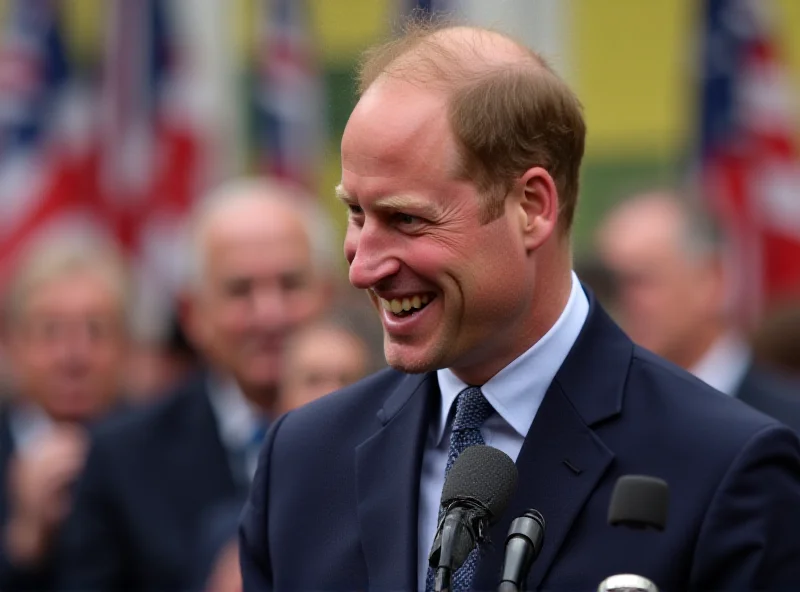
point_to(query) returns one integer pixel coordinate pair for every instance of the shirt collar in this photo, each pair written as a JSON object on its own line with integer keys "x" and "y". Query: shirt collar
{"x": 237, "y": 419}
{"x": 27, "y": 423}
{"x": 517, "y": 390}
{"x": 724, "y": 364}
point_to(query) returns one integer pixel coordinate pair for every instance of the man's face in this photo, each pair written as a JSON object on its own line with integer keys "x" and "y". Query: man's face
{"x": 258, "y": 286}
{"x": 450, "y": 290}
{"x": 665, "y": 297}
{"x": 68, "y": 346}
{"x": 319, "y": 362}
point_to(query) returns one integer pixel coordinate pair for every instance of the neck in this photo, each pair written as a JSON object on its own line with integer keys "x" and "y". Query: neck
{"x": 689, "y": 354}
{"x": 263, "y": 398}
{"x": 550, "y": 296}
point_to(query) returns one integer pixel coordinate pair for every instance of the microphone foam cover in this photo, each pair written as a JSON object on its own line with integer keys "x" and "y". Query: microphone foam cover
{"x": 639, "y": 501}
{"x": 485, "y": 474}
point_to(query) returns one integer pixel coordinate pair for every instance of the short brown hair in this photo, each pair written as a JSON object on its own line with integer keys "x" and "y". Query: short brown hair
{"x": 506, "y": 115}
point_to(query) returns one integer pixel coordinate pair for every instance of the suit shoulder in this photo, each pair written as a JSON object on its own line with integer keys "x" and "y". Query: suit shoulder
{"x": 369, "y": 392}
{"x": 133, "y": 425}
{"x": 690, "y": 401}
{"x": 347, "y": 408}
{"x": 775, "y": 394}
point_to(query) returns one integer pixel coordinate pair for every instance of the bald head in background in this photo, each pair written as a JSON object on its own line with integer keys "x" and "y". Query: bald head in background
{"x": 258, "y": 276}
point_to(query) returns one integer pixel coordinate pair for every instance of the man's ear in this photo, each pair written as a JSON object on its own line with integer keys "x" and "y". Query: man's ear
{"x": 538, "y": 206}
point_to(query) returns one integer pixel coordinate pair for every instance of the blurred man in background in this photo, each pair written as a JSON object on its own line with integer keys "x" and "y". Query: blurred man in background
{"x": 66, "y": 338}
{"x": 155, "y": 481}
{"x": 321, "y": 359}
{"x": 674, "y": 293}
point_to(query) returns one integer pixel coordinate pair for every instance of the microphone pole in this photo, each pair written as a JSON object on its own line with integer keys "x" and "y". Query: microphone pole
{"x": 523, "y": 544}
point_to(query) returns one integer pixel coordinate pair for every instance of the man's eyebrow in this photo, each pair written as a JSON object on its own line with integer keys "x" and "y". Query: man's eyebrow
{"x": 341, "y": 194}
{"x": 395, "y": 203}
{"x": 410, "y": 203}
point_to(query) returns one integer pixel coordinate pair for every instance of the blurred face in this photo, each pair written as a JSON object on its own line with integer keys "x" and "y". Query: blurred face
{"x": 68, "y": 346}
{"x": 666, "y": 298}
{"x": 320, "y": 362}
{"x": 258, "y": 287}
{"x": 450, "y": 291}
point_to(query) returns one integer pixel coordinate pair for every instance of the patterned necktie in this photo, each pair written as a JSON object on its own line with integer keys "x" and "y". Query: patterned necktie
{"x": 472, "y": 409}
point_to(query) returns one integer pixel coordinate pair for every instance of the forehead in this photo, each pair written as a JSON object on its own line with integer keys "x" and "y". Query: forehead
{"x": 399, "y": 128}
{"x": 249, "y": 240}
{"x": 70, "y": 291}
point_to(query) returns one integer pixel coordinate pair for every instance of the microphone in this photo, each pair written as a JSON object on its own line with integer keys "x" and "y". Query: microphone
{"x": 475, "y": 494}
{"x": 523, "y": 544}
{"x": 640, "y": 502}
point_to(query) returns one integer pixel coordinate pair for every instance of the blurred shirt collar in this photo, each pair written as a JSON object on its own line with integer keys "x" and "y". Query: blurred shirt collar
{"x": 237, "y": 419}
{"x": 725, "y": 363}
{"x": 27, "y": 423}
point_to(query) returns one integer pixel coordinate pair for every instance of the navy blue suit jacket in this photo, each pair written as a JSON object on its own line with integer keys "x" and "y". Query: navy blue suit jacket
{"x": 335, "y": 501}
{"x": 151, "y": 480}
{"x": 776, "y": 395}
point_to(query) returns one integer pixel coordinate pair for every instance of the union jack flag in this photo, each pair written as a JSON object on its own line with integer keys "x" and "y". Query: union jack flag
{"x": 749, "y": 157}
{"x": 150, "y": 157}
{"x": 289, "y": 106}
{"x": 44, "y": 132}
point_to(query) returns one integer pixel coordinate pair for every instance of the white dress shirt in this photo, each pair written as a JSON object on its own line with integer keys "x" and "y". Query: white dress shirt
{"x": 515, "y": 393}
{"x": 725, "y": 363}
{"x": 237, "y": 419}
{"x": 28, "y": 423}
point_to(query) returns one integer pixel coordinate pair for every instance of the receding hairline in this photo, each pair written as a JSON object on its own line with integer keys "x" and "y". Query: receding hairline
{"x": 692, "y": 230}
{"x": 66, "y": 258}
{"x": 271, "y": 194}
{"x": 446, "y": 54}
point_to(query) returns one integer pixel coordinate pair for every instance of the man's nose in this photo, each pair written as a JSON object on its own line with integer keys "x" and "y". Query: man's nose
{"x": 370, "y": 255}
{"x": 270, "y": 307}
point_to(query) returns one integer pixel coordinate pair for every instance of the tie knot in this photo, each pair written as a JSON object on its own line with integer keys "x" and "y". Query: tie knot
{"x": 472, "y": 409}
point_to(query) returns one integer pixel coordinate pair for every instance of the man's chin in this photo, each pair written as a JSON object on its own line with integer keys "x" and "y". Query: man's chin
{"x": 410, "y": 362}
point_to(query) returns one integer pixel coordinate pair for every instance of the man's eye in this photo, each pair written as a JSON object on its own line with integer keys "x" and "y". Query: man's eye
{"x": 407, "y": 219}
{"x": 355, "y": 210}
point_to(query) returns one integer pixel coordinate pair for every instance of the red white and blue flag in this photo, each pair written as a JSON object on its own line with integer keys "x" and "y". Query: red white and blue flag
{"x": 45, "y": 131}
{"x": 750, "y": 162}
{"x": 290, "y": 116}
{"x": 150, "y": 158}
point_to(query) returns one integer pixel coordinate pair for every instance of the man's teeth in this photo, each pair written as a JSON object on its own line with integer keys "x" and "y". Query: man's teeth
{"x": 398, "y": 305}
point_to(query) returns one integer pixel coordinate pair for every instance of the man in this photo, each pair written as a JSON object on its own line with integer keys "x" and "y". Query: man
{"x": 674, "y": 296}
{"x": 66, "y": 338}
{"x": 460, "y": 168}
{"x": 156, "y": 480}
{"x": 320, "y": 359}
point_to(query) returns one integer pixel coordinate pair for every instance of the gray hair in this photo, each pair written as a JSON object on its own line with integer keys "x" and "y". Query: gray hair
{"x": 315, "y": 219}
{"x": 59, "y": 256}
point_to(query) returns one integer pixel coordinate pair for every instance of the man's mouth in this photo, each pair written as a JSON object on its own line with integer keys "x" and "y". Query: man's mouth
{"x": 406, "y": 306}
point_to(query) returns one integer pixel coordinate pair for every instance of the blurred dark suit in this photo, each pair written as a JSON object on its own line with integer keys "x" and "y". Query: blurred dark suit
{"x": 151, "y": 480}
{"x": 773, "y": 394}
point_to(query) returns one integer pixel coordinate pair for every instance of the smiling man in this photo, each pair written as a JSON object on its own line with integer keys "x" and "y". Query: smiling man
{"x": 460, "y": 167}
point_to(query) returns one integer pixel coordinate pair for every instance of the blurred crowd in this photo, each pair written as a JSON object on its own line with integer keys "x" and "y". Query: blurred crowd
{"x": 126, "y": 461}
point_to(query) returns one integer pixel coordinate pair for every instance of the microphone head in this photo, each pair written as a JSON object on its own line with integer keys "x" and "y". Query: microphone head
{"x": 485, "y": 474}
{"x": 627, "y": 583}
{"x": 639, "y": 501}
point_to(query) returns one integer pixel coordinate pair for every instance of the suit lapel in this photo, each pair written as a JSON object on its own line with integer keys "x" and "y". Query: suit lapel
{"x": 388, "y": 467}
{"x": 562, "y": 459}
